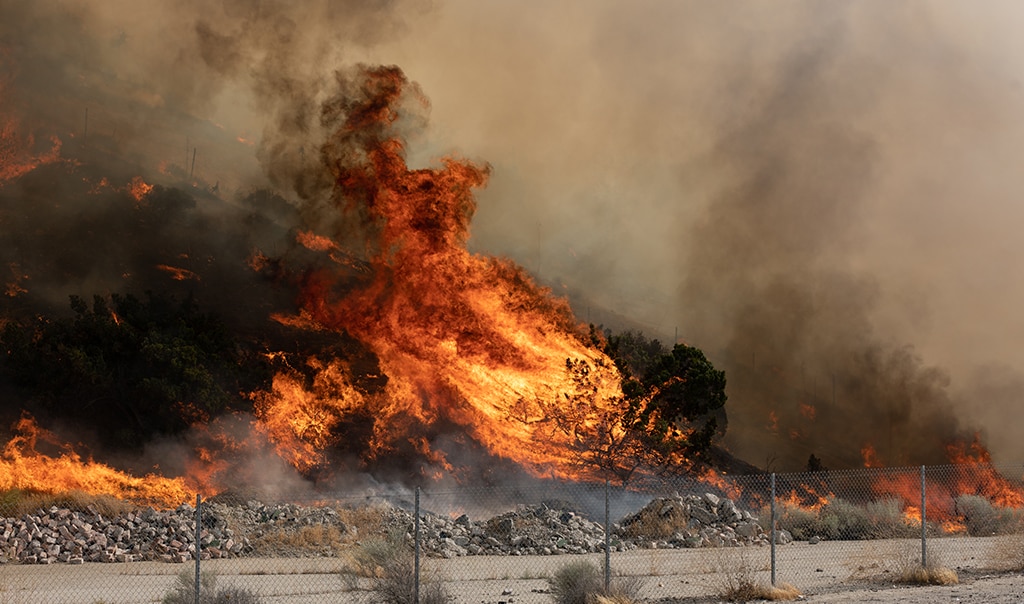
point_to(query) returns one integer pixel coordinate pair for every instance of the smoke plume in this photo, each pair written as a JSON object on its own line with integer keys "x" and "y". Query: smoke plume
{"x": 813, "y": 194}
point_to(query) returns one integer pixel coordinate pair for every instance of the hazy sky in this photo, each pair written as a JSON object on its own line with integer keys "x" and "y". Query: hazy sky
{"x": 875, "y": 143}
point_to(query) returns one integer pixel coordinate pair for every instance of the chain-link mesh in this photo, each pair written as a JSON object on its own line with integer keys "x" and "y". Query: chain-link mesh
{"x": 651, "y": 539}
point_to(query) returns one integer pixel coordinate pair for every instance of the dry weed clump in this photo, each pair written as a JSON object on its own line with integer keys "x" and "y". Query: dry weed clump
{"x": 1008, "y": 552}
{"x": 932, "y": 572}
{"x": 929, "y": 575}
{"x": 318, "y": 539}
{"x": 387, "y": 566}
{"x": 184, "y": 591}
{"x": 658, "y": 522}
{"x": 900, "y": 562}
{"x": 16, "y": 502}
{"x": 738, "y": 579}
{"x": 366, "y": 520}
{"x": 582, "y": 582}
{"x": 759, "y": 591}
{"x": 354, "y": 524}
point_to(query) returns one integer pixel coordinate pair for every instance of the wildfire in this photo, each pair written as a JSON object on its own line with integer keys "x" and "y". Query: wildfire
{"x": 467, "y": 341}
{"x": 723, "y": 483}
{"x": 301, "y": 423}
{"x": 16, "y": 150}
{"x": 806, "y": 497}
{"x": 23, "y": 467}
{"x": 177, "y": 273}
{"x": 138, "y": 188}
{"x": 970, "y": 474}
{"x": 14, "y": 288}
{"x": 871, "y": 459}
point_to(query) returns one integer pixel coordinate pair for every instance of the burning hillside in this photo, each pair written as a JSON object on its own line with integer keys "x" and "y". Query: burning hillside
{"x": 470, "y": 345}
{"x": 328, "y": 317}
{"x": 449, "y": 354}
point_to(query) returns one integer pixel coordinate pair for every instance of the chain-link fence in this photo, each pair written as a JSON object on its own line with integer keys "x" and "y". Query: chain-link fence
{"x": 659, "y": 539}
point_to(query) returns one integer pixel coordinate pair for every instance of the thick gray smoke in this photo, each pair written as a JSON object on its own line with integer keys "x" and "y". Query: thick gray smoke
{"x": 821, "y": 196}
{"x": 214, "y": 102}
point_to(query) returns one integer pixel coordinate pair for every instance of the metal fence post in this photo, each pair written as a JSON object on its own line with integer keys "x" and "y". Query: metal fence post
{"x": 199, "y": 528}
{"x": 924, "y": 531}
{"x": 607, "y": 540}
{"x": 773, "y": 528}
{"x": 416, "y": 555}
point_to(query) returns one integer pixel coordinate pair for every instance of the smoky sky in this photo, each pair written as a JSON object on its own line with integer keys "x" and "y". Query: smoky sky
{"x": 820, "y": 196}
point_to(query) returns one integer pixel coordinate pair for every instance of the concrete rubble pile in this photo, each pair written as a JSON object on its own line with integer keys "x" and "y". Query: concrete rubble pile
{"x": 78, "y": 536}
{"x": 63, "y": 535}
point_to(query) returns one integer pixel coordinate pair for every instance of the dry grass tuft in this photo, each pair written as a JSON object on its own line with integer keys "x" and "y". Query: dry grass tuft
{"x": 758, "y": 591}
{"x": 738, "y": 579}
{"x": 17, "y": 502}
{"x": 315, "y": 538}
{"x": 355, "y": 525}
{"x": 582, "y": 582}
{"x": 184, "y": 591}
{"x": 900, "y": 562}
{"x": 929, "y": 575}
{"x": 660, "y": 519}
{"x": 367, "y": 519}
{"x": 388, "y": 566}
{"x": 1008, "y": 552}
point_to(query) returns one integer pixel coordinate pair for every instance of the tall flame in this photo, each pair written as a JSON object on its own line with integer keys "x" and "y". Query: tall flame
{"x": 470, "y": 343}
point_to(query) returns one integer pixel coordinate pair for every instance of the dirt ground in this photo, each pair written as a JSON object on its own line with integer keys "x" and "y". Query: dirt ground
{"x": 826, "y": 573}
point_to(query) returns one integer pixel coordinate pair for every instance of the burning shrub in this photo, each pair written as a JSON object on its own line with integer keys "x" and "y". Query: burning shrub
{"x": 842, "y": 520}
{"x": 983, "y": 519}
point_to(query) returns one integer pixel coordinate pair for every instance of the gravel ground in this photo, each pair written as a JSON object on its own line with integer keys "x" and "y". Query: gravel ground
{"x": 985, "y": 589}
{"x": 828, "y": 572}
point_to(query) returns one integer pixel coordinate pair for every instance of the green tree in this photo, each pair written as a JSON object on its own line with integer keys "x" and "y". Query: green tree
{"x": 667, "y": 419}
{"x": 130, "y": 368}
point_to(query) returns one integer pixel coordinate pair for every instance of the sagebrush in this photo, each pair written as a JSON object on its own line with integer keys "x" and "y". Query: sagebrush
{"x": 582, "y": 582}
{"x": 184, "y": 591}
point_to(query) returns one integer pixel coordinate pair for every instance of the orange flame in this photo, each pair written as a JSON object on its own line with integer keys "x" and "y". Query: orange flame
{"x": 14, "y": 288}
{"x": 138, "y": 188}
{"x": 23, "y": 467}
{"x": 177, "y": 273}
{"x": 970, "y": 474}
{"x": 870, "y": 456}
{"x": 466, "y": 340}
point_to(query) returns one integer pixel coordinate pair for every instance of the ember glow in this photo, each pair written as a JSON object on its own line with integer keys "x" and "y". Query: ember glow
{"x": 18, "y": 149}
